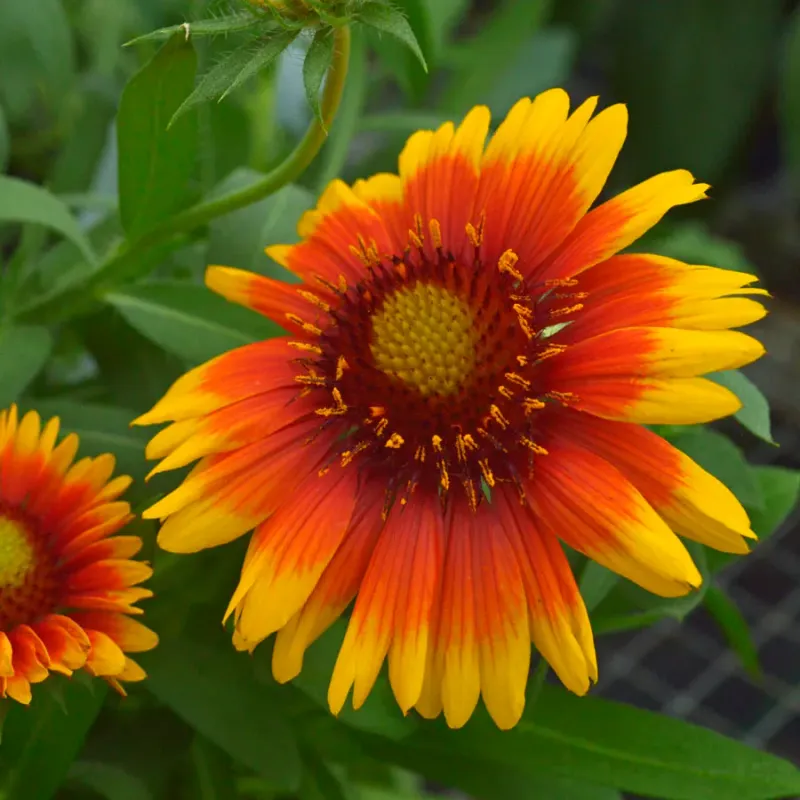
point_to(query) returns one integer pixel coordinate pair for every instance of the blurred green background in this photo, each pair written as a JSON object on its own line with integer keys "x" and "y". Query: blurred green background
{"x": 712, "y": 86}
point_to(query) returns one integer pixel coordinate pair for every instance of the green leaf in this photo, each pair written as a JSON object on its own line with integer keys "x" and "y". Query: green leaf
{"x": 133, "y": 370}
{"x": 80, "y": 155}
{"x": 41, "y": 742}
{"x": 387, "y": 19}
{"x": 134, "y": 751}
{"x": 232, "y": 23}
{"x": 506, "y": 37}
{"x": 212, "y": 687}
{"x": 5, "y": 141}
{"x": 419, "y": 14}
{"x": 405, "y": 122}
{"x": 595, "y": 584}
{"x": 234, "y": 69}
{"x": 214, "y": 773}
{"x": 382, "y": 793}
{"x": 543, "y": 62}
{"x": 628, "y": 606}
{"x": 694, "y": 243}
{"x": 684, "y": 60}
{"x": 319, "y": 783}
{"x": 156, "y": 159}
{"x": 379, "y": 714}
{"x": 102, "y": 429}
{"x": 23, "y": 353}
{"x": 611, "y": 744}
{"x": 64, "y": 265}
{"x": 780, "y": 489}
{"x": 267, "y": 53}
{"x": 317, "y": 61}
{"x": 239, "y": 239}
{"x": 790, "y": 97}
{"x": 188, "y": 320}
{"x": 483, "y": 779}
{"x": 723, "y": 459}
{"x": 444, "y": 17}
{"x": 110, "y": 781}
{"x": 735, "y": 628}
{"x": 21, "y": 201}
{"x": 38, "y": 60}
{"x": 400, "y": 62}
{"x": 754, "y": 413}
{"x": 5, "y": 707}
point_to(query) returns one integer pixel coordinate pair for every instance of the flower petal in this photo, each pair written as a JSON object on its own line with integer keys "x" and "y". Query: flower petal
{"x": 644, "y": 290}
{"x": 541, "y": 172}
{"x": 129, "y": 634}
{"x": 66, "y": 642}
{"x": 612, "y": 226}
{"x": 336, "y": 588}
{"x": 289, "y": 552}
{"x": 281, "y": 302}
{"x": 484, "y": 631}
{"x": 6, "y": 656}
{"x": 378, "y": 616}
{"x": 655, "y": 401}
{"x": 440, "y": 171}
{"x": 231, "y": 494}
{"x": 384, "y": 193}
{"x": 455, "y": 671}
{"x": 105, "y": 658}
{"x": 121, "y": 600}
{"x": 241, "y": 373}
{"x": 235, "y": 426}
{"x": 18, "y": 688}
{"x": 108, "y": 574}
{"x": 693, "y": 503}
{"x": 329, "y": 232}
{"x": 560, "y": 625}
{"x": 501, "y": 623}
{"x": 589, "y": 504}
{"x": 416, "y": 598}
{"x": 646, "y": 352}
{"x": 30, "y": 657}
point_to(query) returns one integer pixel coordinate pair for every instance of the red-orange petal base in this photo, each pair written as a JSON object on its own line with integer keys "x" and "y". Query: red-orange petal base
{"x": 68, "y": 584}
{"x": 463, "y": 385}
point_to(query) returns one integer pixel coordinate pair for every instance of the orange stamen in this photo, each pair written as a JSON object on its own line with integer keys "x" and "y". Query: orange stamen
{"x": 311, "y": 348}
{"x": 436, "y": 233}
{"x": 507, "y": 264}
{"x": 486, "y": 471}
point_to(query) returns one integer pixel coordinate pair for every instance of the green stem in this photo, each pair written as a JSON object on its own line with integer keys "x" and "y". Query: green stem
{"x": 287, "y": 171}
{"x": 333, "y": 157}
{"x": 128, "y": 253}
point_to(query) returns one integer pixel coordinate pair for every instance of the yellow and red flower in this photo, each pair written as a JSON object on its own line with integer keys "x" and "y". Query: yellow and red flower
{"x": 68, "y": 586}
{"x": 467, "y": 370}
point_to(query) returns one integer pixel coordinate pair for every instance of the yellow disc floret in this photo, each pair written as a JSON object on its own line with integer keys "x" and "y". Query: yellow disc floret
{"x": 17, "y": 555}
{"x": 425, "y": 336}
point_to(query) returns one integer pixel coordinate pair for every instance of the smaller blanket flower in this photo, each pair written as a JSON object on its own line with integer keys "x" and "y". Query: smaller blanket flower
{"x": 68, "y": 584}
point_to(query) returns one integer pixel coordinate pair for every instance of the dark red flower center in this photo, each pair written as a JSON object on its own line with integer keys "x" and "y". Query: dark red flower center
{"x": 430, "y": 369}
{"x": 28, "y": 588}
